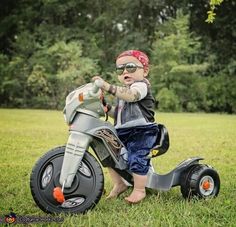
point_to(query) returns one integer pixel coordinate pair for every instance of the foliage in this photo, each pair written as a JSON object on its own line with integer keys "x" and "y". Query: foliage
{"x": 48, "y": 47}
{"x": 211, "y": 13}
{"x": 222, "y": 93}
{"x": 49, "y": 74}
{"x": 168, "y": 100}
{"x": 218, "y": 38}
{"x": 177, "y": 69}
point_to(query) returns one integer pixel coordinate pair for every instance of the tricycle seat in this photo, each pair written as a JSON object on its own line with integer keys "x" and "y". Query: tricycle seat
{"x": 162, "y": 142}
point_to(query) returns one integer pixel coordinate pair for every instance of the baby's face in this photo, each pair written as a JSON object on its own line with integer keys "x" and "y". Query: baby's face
{"x": 129, "y": 70}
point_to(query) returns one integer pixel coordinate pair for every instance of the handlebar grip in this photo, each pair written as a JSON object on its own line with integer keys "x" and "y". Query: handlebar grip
{"x": 97, "y": 85}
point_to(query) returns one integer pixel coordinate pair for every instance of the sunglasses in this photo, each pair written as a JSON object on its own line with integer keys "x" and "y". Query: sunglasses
{"x": 129, "y": 67}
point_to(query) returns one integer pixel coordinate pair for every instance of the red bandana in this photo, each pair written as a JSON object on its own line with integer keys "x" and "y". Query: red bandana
{"x": 142, "y": 57}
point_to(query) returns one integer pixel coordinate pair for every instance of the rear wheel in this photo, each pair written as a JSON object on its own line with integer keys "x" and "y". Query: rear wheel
{"x": 201, "y": 181}
{"x": 84, "y": 193}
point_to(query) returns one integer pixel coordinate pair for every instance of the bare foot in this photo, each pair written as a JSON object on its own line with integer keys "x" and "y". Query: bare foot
{"x": 117, "y": 190}
{"x": 136, "y": 196}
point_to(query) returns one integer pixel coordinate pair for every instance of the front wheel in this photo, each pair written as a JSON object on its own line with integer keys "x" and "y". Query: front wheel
{"x": 84, "y": 193}
{"x": 200, "y": 181}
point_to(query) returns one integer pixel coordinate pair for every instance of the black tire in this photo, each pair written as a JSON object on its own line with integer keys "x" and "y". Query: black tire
{"x": 200, "y": 181}
{"x": 86, "y": 189}
{"x": 184, "y": 185}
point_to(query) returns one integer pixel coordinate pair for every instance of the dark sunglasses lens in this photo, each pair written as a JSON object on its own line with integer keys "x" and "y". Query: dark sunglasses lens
{"x": 131, "y": 68}
{"x": 120, "y": 70}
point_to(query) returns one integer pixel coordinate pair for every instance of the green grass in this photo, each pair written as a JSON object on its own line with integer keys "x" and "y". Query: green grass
{"x": 25, "y": 135}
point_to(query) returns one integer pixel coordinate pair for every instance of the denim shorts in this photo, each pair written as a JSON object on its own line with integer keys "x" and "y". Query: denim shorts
{"x": 138, "y": 141}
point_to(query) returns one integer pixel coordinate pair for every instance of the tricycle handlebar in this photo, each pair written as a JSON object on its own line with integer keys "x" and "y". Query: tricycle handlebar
{"x": 96, "y": 86}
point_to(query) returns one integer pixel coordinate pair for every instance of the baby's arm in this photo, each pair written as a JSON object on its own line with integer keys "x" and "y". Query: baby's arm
{"x": 124, "y": 93}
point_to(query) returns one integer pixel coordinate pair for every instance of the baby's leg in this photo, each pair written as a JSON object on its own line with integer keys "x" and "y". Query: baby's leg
{"x": 139, "y": 192}
{"x": 119, "y": 185}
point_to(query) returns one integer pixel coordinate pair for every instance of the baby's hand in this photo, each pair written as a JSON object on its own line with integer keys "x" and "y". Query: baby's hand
{"x": 98, "y": 81}
{"x": 97, "y": 78}
{"x": 102, "y": 84}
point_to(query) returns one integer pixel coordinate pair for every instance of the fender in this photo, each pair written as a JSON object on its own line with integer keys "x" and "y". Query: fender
{"x": 171, "y": 179}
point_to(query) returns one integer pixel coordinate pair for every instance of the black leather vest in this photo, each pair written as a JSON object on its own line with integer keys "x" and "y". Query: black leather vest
{"x": 135, "y": 111}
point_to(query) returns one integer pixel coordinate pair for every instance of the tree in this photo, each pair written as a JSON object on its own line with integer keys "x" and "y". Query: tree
{"x": 211, "y": 13}
{"x": 32, "y": 33}
{"x": 176, "y": 66}
{"x": 218, "y": 38}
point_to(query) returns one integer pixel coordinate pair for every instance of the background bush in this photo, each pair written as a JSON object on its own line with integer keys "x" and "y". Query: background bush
{"x": 50, "y": 47}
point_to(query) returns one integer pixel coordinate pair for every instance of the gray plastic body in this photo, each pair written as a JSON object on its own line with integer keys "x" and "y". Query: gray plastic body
{"x": 88, "y": 130}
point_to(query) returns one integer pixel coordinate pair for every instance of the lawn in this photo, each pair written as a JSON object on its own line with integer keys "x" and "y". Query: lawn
{"x": 25, "y": 135}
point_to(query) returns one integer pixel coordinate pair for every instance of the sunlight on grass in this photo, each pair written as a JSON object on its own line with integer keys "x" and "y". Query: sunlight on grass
{"x": 25, "y": 135}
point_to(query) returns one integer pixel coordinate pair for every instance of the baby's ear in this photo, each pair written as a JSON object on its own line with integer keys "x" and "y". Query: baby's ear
{"x": 146, "y": 71}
